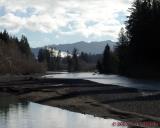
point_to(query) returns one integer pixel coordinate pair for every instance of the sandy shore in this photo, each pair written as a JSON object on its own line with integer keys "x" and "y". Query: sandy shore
{"x": 107, "y": 101}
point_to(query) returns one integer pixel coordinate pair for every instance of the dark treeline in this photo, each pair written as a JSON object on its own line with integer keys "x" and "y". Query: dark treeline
{"x": 72, "y": 62}
{"x": 137, "y": 52}
{"x": 108, "y": 64}
{"x": 51, "y": 61}
{"x": 16, "y": 56}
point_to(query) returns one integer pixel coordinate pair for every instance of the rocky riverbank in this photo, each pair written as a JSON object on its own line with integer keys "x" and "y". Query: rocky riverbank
{"x": 107, "y": 101}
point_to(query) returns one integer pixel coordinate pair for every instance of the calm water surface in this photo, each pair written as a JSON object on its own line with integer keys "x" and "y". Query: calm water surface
{"x": 32, "y": 115}
{"x": 110, "y": 79}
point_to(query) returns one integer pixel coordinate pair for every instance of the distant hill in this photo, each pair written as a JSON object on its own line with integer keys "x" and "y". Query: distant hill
{"x": 92, "y": 47}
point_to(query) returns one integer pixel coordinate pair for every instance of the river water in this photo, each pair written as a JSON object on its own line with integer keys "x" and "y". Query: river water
{"x": 33, "y": 115}
{"x": 109, "y": 79}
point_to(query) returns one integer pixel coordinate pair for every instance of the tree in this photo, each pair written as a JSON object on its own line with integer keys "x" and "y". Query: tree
{"x": 58, "y": 59}
{"x": 44, "y": 56}
{"x": 5, "y": 36}
{"x": 106, "y": 60}
{"x": 24, "y": 46}
{"x": 41, "y": 56}
{"x": 138, "y": 47}
{"x": 109, "y": 62}
{"x": 84, "y": 56}
{"x": 69, "y": 62}
{"x": 75, "y": 60}
{"x": 99, "y": 66}
{"x": 16, "y": 56}
{"x": 122, "y": 51}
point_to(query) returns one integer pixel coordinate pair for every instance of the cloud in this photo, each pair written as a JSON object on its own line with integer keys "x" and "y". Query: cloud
{"x": 85, "y": 17}
{"x": 12, "y": 22}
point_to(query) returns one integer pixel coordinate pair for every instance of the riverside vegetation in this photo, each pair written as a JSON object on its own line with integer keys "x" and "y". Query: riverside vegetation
{"x": 16, "y": 56}
{"x": 137, "y": 51}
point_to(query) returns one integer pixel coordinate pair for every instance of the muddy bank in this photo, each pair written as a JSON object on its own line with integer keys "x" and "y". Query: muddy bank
{"x": 108, "y": 101}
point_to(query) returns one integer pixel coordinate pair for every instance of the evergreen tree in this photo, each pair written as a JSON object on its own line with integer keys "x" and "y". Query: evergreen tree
{"x": 109, "y": 62}
{"x": 138, "y": 47}
{"x": 122, "y": 51}
{"x": 41, "y": 56}
{"x": 75, "y": 60}
{"x": 84, "y": 56}
{"x": 69, "y": 62}
{"x": 16, "y": 56}
{"x": 44, "y": 56}
{"x": 5, "y": 36}
{"x": 58, "y": 59}
{"x": 106, "y": 60}
{"x": 143, "y": 27}
{"x": 24, "y": 46}
{"x": 99, "y": 66}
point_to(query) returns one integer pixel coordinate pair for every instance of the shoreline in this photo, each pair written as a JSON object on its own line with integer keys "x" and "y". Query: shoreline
{"x": 83, "y": 96}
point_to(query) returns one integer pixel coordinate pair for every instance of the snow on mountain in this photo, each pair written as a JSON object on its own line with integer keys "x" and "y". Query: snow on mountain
{"x": 56, "y": 52}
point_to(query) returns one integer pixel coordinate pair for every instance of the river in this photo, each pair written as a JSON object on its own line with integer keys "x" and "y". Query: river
{"x": 109, "y": 79}
{"x": 33, "y": 115}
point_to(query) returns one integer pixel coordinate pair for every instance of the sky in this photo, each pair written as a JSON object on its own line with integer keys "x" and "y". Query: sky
{"x": 46, "y": 22}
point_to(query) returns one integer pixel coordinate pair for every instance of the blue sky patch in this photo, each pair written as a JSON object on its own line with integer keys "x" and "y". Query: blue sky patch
{"x": 2, "y": 10}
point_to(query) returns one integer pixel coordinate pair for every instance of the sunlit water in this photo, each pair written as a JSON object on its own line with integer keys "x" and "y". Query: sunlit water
{"x": 110, "y": 79}
{"x": 32, "y": 115}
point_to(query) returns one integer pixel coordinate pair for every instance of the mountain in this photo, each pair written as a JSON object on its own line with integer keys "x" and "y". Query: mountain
{"x": 92, "y": 47}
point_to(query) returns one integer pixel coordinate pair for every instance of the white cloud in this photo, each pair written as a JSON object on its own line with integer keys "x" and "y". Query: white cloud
{"x": 10, "y": 21}
{"x": 52, "y": 15}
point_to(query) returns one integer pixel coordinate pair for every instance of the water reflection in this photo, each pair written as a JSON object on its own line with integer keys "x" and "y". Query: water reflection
{"x": 32, "y": 115}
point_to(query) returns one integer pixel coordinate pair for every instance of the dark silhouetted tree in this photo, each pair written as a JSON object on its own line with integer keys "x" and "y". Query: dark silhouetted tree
{"x": 75, "y": 60}
{"x": 99, "y": 66}
{"x": 106, "y": 60}
{"x": 109, "y": 62}
{"x": 138, "y": 47}
{"x": 58, "y": 60}
{"x": 69, "y": 62}
{"x": 45, "y": 57}
{"x": 84, "y": 56}
{"x": 24, "y": 46}
{"x": 122, "y": 50}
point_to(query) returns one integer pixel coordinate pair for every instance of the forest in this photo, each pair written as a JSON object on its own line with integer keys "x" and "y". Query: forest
{"x": 16, "y": 56}
{"x": 73, "y": 62}
{"x": 137, "y": 51}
